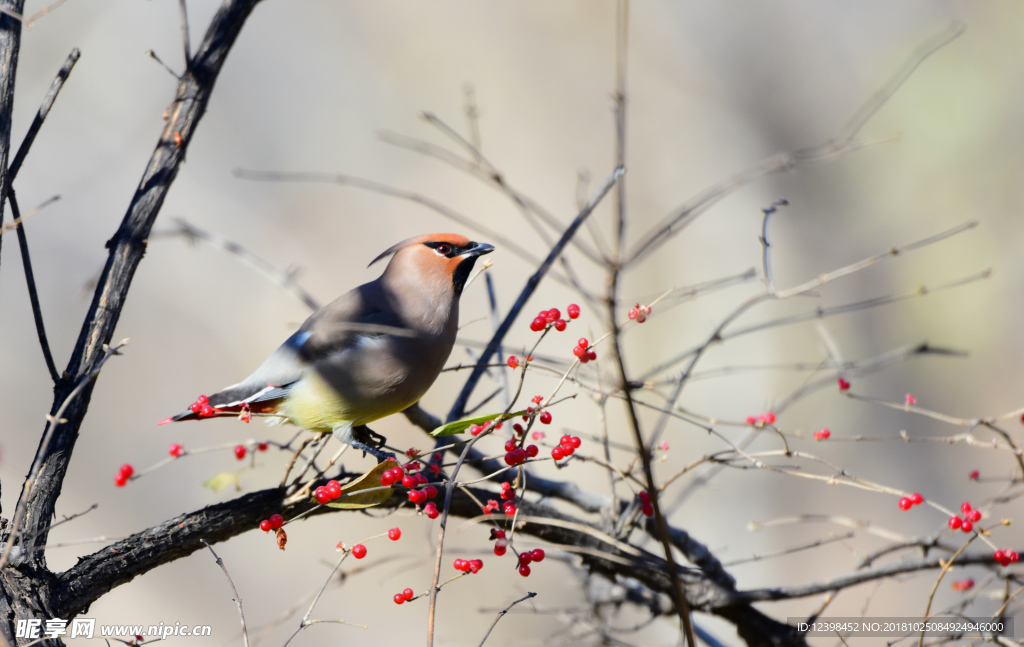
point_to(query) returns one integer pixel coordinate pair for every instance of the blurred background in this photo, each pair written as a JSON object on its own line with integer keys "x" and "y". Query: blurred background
{"x": 713, "y": 89}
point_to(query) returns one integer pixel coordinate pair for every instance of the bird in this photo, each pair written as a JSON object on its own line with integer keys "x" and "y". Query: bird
{"x": 372, "y": 352}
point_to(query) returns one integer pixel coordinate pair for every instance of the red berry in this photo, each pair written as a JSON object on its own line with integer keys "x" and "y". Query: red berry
{"x": 545, "y": 417}
{"x": 558, "y": 453}
{"x": 751, "y": 420}
{"x": 430, "y": 491}
{"x": 583, "y": 343}
{"x": 203, "y": 399}
{"x": 510, "y": 444}
{"x": 644, "y": 496}
{"x": 525, "y": 558}
{"x": 321, "y": 495}
{"x": 499, "y": 549}
{"x": 633, "y": 313}
{"x": 276, "y": 521}
{"x": 974, "y": 475}
{"x": 963, "y": 585}
{"x": 954, "y": 523}
{"x": 843, "y": 385}
{"x": 513, "y": 361}
{"x": 559, "y": 325}
{"x": 524, "y": 571}
{"x": 431, "y": 511}
{"x": 965, "y": 506}
{"x": 518, "y": 428}
{"x": 399, "y": 598}
{"x": 537, "y": 554}
{"x": 240, "y": 451}
{"x": 127, "y": 470}
{"x": 262, "y": 447}
{"x": 409, "y": 480}
{"x": 509, "y": 508}
{"x": 967, "y": 526}
{"x": 333, "y": 489}
{"x": 1012, "y": 555}
{"x": 906, "y": 503}
{"x": 195, "y": 407}
{"x": 769, "y": 418}
{"x": 532, "y": 451}
{"x": 973, "y": 515}
{"x": 387, "y": 479}
{"x": 176, "y": 450}
{"x": 359, "y": 551}
{"x": 538, "y": 324}
{"x": 417, "y": 497}
{"x": 555, "y": 313}
{"x": 510, "y": 458}
{"x": 579, "y": 351}
{"x": 120, "y": 480}
{"x": 408, "y": 594}
{"x": 565, "y": 441}
{"x": 475, "y": 565}
{"x": 568, "y": 450}
{"x": 999, "y": 556}
{"x": 505, "y": 485}
{"x": 265, "y": 525}
{"x": 591, "y": 355}
{"x": 206, "y": 411}
{"x": 475, "y": 430}
{"x": 576, "y": 442}
{"x": 395, "y": 534}
{"x": 573, "y": 311}
{"x": 647, "y": 509}
{"x": 916, "y": 498}
{"x": 497, "y": 533}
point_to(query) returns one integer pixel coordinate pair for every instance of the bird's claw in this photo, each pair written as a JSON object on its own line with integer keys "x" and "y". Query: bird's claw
{"x": 377, "y": 453}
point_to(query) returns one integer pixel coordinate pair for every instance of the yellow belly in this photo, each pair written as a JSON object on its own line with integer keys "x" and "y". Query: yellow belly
{"x": 315, "y": 406}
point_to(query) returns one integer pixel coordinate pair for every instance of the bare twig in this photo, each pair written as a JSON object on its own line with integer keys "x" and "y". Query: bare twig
{"x": 237, "y": 599}
{"x": 502, "y": 613}
{"x": 674, "y": 222}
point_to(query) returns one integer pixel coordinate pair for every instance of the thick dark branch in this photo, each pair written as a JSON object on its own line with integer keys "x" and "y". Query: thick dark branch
{"x": 10, "y": 43}
{"x": 126, "y": 249}
{"x": 94, "y": 575}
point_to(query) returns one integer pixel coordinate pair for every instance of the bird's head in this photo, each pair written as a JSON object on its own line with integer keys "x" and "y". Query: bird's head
{"x": 441, "y": 260}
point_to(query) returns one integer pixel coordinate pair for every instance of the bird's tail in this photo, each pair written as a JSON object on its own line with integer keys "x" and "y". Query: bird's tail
{"x": 234, "y": 401}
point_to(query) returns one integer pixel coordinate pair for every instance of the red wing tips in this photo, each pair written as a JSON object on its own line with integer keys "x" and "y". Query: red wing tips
{"x": 165, "y": 421}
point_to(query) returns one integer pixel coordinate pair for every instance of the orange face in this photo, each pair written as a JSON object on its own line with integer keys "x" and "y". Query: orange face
{"x": 444, "y": 259}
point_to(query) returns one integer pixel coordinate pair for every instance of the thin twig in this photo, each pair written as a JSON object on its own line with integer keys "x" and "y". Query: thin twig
{"x": 502, "y": 613}
{"x": 237, "y": 599}
{"x": 186, "y": 45}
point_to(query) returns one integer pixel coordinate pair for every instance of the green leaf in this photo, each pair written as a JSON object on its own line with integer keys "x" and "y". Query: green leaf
{"x": 222, "y": 480}
{"x": 351, "y": 497}
{"x": 460, "y": 426}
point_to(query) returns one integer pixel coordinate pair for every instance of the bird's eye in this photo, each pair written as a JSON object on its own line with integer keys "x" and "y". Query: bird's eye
{"x": 443, "y": 249}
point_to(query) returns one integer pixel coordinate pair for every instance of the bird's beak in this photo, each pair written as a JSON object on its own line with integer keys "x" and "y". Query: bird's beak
{"x": 477, "y": 249}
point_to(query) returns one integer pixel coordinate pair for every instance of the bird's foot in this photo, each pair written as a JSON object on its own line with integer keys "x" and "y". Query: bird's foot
{"x": 376, "y": 452}
{"x": 369, "y": 441}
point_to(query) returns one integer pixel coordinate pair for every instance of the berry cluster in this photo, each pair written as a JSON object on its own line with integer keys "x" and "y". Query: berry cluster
{"x": 407, "y": 594}
{"x": 500, "y": 543}
{"x": 527, "y": 557}
{"x": 566, "y": 446}
{"x": 645, "y": 503}
{"x": 1005, "y": 557}
{"x": 639, "y": 313}
{"x": 328, "y": 492}
{"x": 515, "y": 455}
{"x": 553, "y": 318}
{"x": 909, "y": 502}
{"x": 823, "y": 434}
{"x": 203, "y": 408}
{"x": 583, "y": 352}
{"x": 762, "y": 419}
{"x": 273, "y": 523}
{"x": 469, "y": 565}
{"x": 966, "y": 523}
{"x": 123, "y": 475}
